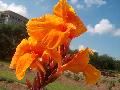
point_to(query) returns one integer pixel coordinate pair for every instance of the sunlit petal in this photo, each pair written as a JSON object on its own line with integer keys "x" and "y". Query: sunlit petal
{"x": 38, "y": 28}
{"x": 79, "y": 62}
{"x": 65, "y": 11}
{"x": 92, "y": 75}
{"x": 62, "y": 8}
{"x": 55, "y": 38}
{"x": 22, "y": 48}
{"x": 23, "y": 63}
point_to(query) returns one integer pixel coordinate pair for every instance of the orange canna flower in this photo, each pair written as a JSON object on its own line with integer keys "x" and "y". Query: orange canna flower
{"x": 26, "y": 52}
{"x": 92, "y": 74}
{"x": 46, "y": 49}
{"x": 67, "y": 13}
{"x": 80, "y": 63}
{"x": 54, "y": 30}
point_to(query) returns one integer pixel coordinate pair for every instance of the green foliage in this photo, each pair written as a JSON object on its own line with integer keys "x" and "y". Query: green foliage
{"x": 61, "y": 86}
{"x": 10, "y": 37}
{"x": 3, "y": 88}
{"x": 105, "y": 62}
{"x": 72, "y": 51}
{"x": 9, "y": 77}
{"x": 102, "y": 62}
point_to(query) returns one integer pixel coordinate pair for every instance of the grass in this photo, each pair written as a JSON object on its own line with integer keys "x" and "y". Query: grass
{"x": 10, "y": 77}
{"x": 60, "y": 86}
{"x": 4, "y": 62}
{"x": 6, "y": 75}
{"x": 3, "y": 88}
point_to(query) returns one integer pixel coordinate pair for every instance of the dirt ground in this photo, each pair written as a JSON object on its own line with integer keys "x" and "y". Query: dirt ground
{"x": 99, "y": 86}
{"x": 106, "y": 83}
{"x": 13, "y": 85}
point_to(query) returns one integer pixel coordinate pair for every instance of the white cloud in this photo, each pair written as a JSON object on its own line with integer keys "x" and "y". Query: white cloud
{"x": 90, "y": 3}
{"x": 87, "y": 3}
{"x": 90, "y": 29}
{"x": 104, "y": 26}
{"x": 117, "y": 32}
{"x": 20, "y": 9}
{"x": 73, "y": 1}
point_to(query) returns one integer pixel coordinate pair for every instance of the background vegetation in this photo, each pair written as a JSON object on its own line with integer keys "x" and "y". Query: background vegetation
{"x": 11, "y": 35}
{"x": 103, "y": 62}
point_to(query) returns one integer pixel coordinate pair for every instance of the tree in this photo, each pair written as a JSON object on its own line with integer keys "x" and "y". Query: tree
{"x": 105, "y": 62}
{"x": 10, "y": 35}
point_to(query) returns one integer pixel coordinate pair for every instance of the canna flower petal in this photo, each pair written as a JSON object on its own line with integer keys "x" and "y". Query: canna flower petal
{"x": 23, "y": 63}
{"x": 55, "y": 38}
{"x": 65, "y": 11}
{"x": 38, "y": 28}
{"x": 22, "y": 48}
{"x": 92, "y": 75}
{"x": 26, "y": 46}
{"x": 61, "y": 26}
{"x": 62, "y": 8}
{"x": 79, "y": 62}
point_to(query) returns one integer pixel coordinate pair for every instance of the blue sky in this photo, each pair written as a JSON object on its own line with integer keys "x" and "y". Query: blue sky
{"x": 101, "y": 17}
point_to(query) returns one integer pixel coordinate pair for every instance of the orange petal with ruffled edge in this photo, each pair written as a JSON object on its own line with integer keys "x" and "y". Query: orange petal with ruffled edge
{"x": 65, "y": 11}
{"x": 92, "y": 75}
{"x": 79, "y": 62}
{"x": 23, "y": 63}
{"x": 55, "y": 38}
{"x": 22, "y": 48}
{"x": 62, "y": 8}
{"x": 38, "y": 28}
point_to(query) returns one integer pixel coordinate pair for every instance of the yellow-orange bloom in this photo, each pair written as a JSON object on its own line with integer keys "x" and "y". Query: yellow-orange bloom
{"x": 66, "y": 12}
{"x": 23, "y": 63}
{"x": 54, "y": 30}
{"x": 26, "y": 52}
{"x": 80, "y": 63}
{"x": 45, "y": 49}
